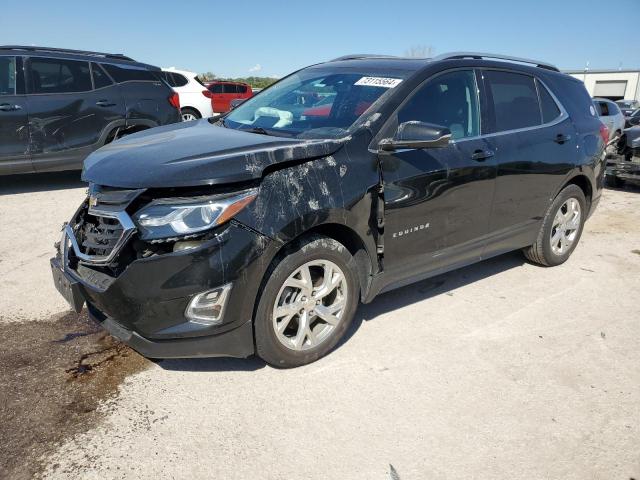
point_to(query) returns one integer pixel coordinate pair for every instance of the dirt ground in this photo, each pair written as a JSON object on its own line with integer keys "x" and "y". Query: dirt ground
{"x": 499, "y": 370}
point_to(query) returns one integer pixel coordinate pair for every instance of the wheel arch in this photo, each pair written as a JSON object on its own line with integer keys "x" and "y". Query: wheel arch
{"x": 341, "y": 233}
{"x": 583, "y": 182}
{"x": 191, "y": 107}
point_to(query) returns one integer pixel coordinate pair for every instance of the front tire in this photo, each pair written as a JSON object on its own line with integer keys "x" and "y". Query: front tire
{"x": 307, "y": 303}
{"x": 561, "y": 228}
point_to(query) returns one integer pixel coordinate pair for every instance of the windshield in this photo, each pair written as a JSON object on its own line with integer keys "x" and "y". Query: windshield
{"x": 314, "y": 103}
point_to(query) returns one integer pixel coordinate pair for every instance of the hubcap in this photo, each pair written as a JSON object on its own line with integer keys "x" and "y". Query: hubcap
{"x": 187, "y": 117}
{"x": 310, "y": 305}
{"x": 565, "y": 226}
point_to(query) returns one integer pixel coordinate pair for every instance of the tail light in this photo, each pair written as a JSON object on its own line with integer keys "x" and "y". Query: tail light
{"x": 207, "y": 93}
{"x": 604, "y": 133}
{"x": 174, "y": 100}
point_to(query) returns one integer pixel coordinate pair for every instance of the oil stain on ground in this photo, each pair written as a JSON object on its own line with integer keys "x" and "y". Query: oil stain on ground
{"x": 53, "y": 376}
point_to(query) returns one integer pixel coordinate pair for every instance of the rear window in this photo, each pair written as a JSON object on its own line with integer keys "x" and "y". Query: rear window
{"x": 550, "y": 110}
{"x": 100, "y": 77}
{"x": 7, "y": 75}
{"x": 123, "y": 74}
{"x": 230, "y": 88}
{"x": 179, "y": 80}
{"x": 602, "y": 108}
{"x": 54, "y": 75}
{"x": 514, "y": 99}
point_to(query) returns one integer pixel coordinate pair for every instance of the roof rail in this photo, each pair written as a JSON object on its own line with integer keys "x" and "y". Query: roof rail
{"x": 358, "y": 56}
{"x": 119, "y": 56}
{"x": 455, "y": 55}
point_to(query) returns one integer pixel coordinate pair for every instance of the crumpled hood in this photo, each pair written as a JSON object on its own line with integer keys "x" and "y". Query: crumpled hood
{"x": 195, "y": 153}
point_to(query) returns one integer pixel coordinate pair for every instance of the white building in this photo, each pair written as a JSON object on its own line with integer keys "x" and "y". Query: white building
{"x": 612, "y": 84}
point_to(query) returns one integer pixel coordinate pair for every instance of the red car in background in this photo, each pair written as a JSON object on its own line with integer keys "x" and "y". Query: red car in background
{"x": 222, "y": 93}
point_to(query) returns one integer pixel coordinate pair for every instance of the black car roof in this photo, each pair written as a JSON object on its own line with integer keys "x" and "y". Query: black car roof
{"x": 404, "y": 63}
{"x": 113, "y": 58}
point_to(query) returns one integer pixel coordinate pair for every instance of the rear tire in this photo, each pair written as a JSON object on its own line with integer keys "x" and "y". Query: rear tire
{"x": 561, "y": 228}
{"x": 189, "y": 114}
{"x": 307, "y": 303}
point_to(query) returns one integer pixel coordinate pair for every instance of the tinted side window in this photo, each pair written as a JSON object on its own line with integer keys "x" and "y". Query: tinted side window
{"x": 514, "y": 100}
{"x": 121, "y": 74}
{"x": 179, "y": 80}
{"x": 100, "y": 77}
{"x": 613, "y": 108}
{"x": 7, "y": 75}
{"x": 449, "y": 100}
{"x": 550, "y": 110}
{"x": 216, "y": 88}
{"x": 230, "y": 88}
{"x": 242, "y": 88}
{"x": 603, "y": 109}
{"x": 53, "y": 75}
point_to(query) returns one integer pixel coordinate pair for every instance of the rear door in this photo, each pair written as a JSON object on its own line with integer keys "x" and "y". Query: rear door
{"x": 535, "y": 148}
{"x": 14, "y": 130}
{"x": 63, "y": 120}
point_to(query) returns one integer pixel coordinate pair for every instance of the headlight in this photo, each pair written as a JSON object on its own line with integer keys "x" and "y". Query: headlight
{"x": 179, "y": 217}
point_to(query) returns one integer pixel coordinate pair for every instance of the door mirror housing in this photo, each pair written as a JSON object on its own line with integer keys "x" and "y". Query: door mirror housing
{"x": 417, "y": 135}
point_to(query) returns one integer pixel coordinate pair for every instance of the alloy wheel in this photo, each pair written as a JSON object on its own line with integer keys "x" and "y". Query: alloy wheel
{"x": 187, "y": 117}
{"x": 310, "y": 305}
{"x": 565, "y": 228}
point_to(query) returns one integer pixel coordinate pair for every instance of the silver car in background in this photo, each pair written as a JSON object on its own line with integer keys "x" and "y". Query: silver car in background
{"x": 610, "y": 115}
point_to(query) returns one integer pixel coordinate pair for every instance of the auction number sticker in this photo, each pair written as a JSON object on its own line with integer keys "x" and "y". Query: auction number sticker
{"x": 379, "y": 82}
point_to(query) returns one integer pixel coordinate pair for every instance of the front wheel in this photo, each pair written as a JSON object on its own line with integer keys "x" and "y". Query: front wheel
{"x": 561, "y": 228}
{"x": 307, "y": 303}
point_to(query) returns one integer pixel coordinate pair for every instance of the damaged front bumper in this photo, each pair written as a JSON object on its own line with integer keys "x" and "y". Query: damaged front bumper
{"x": 144, "y": 305}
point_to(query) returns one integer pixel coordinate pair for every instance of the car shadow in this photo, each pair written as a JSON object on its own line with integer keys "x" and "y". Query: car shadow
{"x": 40, "y": 182}
{"x": 442, "y": 284}
{"x": 416, "y": 292}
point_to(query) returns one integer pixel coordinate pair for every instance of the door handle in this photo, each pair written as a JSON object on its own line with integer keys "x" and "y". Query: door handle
{"x": 105, "y": 103}
{"x": 7, "y": 107}
{"x": 561, "y": 138}
{"x": 481, "y": 155}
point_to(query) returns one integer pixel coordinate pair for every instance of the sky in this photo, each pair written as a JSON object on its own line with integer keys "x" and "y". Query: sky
{"x": 273, "y": 38}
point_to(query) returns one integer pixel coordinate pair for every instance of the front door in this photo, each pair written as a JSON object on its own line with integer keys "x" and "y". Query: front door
{"x": 14, "y": 130}
{"x": 438, "y": 200}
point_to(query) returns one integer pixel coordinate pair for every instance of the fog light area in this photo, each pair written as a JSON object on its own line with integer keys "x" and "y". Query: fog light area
{"x": 207, "y": 308}
{"x": 187, "y": 245}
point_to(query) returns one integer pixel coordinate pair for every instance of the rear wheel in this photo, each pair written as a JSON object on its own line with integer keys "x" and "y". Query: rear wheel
{"x": 307, "y": 303}
{"x": 561, "y": 228}
{"x": 189, "y": 114}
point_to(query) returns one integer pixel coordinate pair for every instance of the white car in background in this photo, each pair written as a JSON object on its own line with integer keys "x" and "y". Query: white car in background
{"x": 194, "y": 100}
{"x": 610, "y": 115}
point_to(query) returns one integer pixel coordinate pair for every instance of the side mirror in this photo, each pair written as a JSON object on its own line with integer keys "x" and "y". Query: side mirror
{"x": 417, "y": 135}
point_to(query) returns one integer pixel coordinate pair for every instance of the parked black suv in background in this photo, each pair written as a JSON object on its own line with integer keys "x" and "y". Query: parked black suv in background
{"x": 57, "y": 106}
{"x": 262, "y": 230}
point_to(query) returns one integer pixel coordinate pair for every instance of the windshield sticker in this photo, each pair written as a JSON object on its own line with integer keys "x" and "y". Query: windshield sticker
{"x": 379, "y": 82}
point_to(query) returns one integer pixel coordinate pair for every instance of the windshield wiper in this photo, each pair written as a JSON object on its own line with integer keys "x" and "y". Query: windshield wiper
{"x": 258, "y": 130}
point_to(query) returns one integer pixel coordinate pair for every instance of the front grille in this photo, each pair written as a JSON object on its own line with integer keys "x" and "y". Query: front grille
{"x": 98, "y": 235}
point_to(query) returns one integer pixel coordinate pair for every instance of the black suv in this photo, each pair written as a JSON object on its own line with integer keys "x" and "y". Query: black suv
{"x": 57, "y": 106}
{"x": 262, "y": 230}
